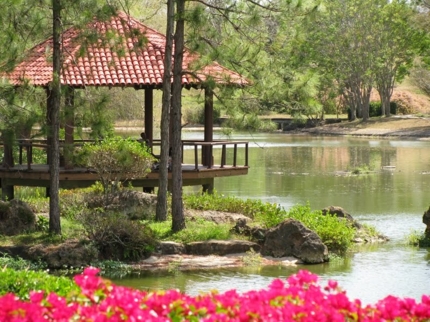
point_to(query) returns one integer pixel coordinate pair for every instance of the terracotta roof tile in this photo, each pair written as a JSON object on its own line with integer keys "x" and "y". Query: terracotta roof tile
{"x": 104, "y": 63}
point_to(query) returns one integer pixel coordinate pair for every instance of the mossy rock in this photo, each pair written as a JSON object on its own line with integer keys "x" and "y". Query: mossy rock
{"x": 16, "y": 217}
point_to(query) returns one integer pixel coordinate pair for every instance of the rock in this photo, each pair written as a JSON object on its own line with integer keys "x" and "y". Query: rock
{"x": 221, "y": 247}
{"x": 256, "y": 233}
{"x": 136, "y": 205}
{"x": 16, "y": 217}
{"x": 340, "y": 213}
{"x": 292, "y": 238}
{"x": 218, "y": 217}
{"x": 170, "y": 248}
{"x": 69, "y": 254}
{"x": 426, "y": 221}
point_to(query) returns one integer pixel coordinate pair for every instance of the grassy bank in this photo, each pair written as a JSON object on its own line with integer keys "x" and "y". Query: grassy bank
{"x": 81, "y": 223}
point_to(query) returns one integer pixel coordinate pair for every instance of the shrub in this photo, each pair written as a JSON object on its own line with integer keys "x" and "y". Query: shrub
{"x": 116, "y": 237}
{"x": 375, "y": 108}
{"x": 72, "y": 203}
{"x": 116, "y": 160}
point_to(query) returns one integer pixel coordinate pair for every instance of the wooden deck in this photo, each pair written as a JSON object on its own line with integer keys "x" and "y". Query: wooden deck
{"x": 202, "y": 172}
{"x": 38, "y": 176}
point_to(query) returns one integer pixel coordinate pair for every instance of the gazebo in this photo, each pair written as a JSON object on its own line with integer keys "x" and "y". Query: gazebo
{"x": 119, "y": 52}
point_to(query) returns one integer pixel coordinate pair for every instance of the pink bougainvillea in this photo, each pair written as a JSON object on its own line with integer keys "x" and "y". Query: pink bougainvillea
{"x": 300, "y": 298}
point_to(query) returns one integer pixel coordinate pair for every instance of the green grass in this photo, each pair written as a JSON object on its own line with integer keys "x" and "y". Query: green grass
{"x": 70, "y": 229}
{"x": 417, "y": 238}
{"x": 196, "y": 230}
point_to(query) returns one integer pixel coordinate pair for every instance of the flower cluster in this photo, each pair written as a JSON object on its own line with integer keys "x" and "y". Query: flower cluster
{"x": 300, "y": 298}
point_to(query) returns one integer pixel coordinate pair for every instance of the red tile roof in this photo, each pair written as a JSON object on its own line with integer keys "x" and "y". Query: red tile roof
{"x": 113, "y": 61}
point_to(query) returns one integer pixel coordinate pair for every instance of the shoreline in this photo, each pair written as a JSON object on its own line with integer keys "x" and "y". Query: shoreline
{"x": 397, "y": 126}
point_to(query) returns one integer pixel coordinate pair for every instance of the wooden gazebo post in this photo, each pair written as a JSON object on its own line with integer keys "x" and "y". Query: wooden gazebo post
{"x": 207, "y": 154}
{"x": 208, "y": 127}
{"x": 149, "y": 115}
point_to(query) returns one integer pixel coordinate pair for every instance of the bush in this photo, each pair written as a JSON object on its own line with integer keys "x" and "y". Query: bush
{"x": 375, "y": 108}
{"x": 22, "y": 282}
{"x": 116, "y": 160}
{"x": 116, "y": 237}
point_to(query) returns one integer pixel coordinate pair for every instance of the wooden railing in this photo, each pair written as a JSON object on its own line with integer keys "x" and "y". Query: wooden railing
{"x": 207, "y": 152}
{"x": 205, "y": 158}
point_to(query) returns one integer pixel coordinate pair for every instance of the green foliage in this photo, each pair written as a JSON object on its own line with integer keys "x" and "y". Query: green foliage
{"x": 116, "y": 160}
{"x": 116, "y": 237}
{"x": 336, "y": 234}
{"x": 266, "y": 213}
{"x": 249, "y": 122}
{"x": 21, "y": 283}
{"x": 72, "y": 203}
{"x": 375, "y": 109}
{"x": 18, "y": 263}
{"x": 417, "y": 238}
{"x": 42, "y": 224}
{"x": 361, "y": 170}
{"x": 196, "y": 230}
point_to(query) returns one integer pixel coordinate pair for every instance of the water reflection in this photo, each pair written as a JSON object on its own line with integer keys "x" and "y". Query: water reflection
{"x": 291, "y": 170}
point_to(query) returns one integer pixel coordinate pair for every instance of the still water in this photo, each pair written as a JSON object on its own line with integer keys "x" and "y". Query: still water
{"x": 290, "y": 170}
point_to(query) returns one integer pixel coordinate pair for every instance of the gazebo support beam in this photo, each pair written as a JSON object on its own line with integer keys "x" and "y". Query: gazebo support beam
{"x": 149, "y": 114}
{"x": 207, "y": 157}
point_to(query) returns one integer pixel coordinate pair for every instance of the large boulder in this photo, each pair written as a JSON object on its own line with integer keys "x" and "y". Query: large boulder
{"x": 16, "y": 218}
{"x": 426, "y": 221}
{"x": 292, "y": 238}
{"x": 135, "y": 204}
{"x": 342, "y": 215}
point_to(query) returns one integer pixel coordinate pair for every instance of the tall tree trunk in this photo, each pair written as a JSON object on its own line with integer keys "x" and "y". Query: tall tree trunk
{"x": 178, "y": 219}
{"x": 161, "y": 210}
{"x": 365, "y": 101}
{"x": 385, "y": 86}
{"x": 54, "y": 109}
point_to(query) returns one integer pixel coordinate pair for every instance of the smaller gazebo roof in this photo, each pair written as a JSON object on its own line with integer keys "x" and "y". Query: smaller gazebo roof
{"x": 125, "y": 53}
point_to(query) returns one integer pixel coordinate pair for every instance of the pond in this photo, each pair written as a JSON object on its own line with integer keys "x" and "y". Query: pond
{"x": 299, "y": 169}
